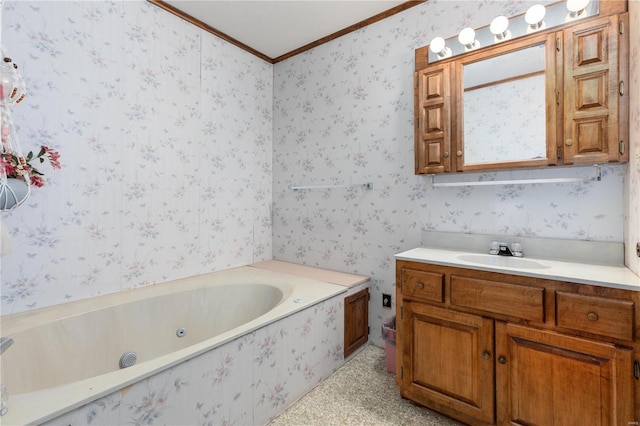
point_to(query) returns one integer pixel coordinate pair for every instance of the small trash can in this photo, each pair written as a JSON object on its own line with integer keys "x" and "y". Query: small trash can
{"x": 389, "y": 337}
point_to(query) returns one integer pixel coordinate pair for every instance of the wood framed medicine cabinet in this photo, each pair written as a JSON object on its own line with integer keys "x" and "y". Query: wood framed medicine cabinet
{"x": 552, "y": 98}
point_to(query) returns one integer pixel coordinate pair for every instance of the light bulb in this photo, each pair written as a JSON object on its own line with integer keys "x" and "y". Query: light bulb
{"x": 576, "y": 7}
{"x": 500, "y": 28}
{"x": 535, "y": 17}
{"x": 438, "y": 46}
{"x": 467, "y": 38}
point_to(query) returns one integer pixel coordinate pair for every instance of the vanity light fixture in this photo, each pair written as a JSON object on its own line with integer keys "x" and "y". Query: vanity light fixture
{"x": 576, "y": 8}
{"x": 535, "y": 17}
{"x": 438, "y": 46}
{"x": 500, "y": 28}
{"x": 467, "y": 38}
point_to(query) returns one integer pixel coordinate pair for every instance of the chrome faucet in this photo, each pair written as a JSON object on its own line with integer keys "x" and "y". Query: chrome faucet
{"x": 502, "y": 249}
{"x": 4, "y": 397}
{"x": 5, "y": 343}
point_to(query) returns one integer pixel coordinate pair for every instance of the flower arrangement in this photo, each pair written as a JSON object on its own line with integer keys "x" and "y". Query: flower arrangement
{"x": 19, "y": 167}
{"x": 12, "y": 164}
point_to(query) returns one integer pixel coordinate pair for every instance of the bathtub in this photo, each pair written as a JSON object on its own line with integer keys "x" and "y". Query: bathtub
{"x": 67, "y": 356}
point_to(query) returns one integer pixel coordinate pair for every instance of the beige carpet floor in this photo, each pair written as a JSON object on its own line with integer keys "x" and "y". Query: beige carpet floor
{"x": 362, "y": 392}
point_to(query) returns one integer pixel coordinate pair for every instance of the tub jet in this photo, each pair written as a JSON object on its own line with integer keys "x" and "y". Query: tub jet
{"x": 128, "y": 359}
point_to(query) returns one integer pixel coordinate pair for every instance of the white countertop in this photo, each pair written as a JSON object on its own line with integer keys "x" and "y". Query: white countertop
{"x": 583, "y": 273}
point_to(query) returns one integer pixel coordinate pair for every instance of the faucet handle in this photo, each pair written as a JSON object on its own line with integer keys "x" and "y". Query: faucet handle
{"x": 494, "y": 247}
{"x": 4, "y": 397}
{"x": 517, "y": 249}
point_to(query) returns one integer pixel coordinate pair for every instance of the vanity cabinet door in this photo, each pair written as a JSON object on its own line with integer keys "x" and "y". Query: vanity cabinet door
{"x": 592, "y": 92}
{"x": 433, "y": 119}
{"x": 447, "y": 362}
{"x": 545, "y": 378}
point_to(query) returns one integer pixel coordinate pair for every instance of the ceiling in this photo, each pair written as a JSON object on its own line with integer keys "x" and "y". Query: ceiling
{"x": 276, "y": 29}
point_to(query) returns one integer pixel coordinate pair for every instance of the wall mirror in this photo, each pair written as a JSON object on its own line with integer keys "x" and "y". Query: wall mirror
{"x": 506, "y": 100}
{"x": 504, "y": 107}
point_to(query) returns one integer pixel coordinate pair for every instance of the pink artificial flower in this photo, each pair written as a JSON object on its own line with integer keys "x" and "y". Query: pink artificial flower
{"x": 54, "y": 157}
{"x": 10, "y": 167}
{"x": 37, "y": 181}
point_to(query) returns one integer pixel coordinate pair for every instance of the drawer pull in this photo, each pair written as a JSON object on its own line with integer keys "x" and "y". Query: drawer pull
{"x": 486, "y": 355}
{"x": 502, "y": 360}
{"x": 420, "y": 286}
{"x": 592, "y": 316}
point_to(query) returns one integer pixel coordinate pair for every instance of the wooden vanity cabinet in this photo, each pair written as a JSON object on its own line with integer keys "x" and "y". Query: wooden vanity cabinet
{"x": 490, "y": 348}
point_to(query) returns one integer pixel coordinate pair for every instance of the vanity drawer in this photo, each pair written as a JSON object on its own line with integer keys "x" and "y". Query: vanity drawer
{"x": 422, "y": 285}
{"x": 498, "y": 297}
{"x": 596, "y": 315}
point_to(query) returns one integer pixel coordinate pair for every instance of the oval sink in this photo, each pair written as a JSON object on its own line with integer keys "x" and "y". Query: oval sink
{"x": 502, "y": 261}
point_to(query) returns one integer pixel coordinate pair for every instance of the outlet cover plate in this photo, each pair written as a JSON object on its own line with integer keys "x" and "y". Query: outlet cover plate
{"x": 386, "y": 300}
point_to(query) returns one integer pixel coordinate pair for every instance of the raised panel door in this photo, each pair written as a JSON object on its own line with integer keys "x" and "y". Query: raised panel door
{"x": 548, "y": 379}
{"x": 447, "y": 361}
{"x": 591, "y": 92}
{"x": 433, "y": 119}
{"x": 356, "y": 321}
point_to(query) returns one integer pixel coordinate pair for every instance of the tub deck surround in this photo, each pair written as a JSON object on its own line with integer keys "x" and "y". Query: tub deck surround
{"x": 281, "y": 296}
{"x": 356, "y": 299}
{"x": 320, "y": 274}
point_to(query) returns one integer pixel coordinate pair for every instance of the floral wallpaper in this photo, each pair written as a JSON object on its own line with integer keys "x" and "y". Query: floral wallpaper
{"x": 343, "y": 113}
{"x": 165, "y": 136}
{"x": 178, "y": 151}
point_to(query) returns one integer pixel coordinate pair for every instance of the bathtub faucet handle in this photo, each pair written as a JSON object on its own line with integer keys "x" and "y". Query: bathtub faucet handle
{"x": 5, "y": 342}
{"x": 4, "y": 397}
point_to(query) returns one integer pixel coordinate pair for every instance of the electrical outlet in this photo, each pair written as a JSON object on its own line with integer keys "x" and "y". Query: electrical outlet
{"x": 386, "y": 300}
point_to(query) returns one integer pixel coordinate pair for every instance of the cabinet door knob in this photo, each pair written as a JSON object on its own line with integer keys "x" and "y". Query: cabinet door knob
{"x": 486, "y": 355}
{"x": 502, "y": 360}
{"x": 446, "y": 154}
{"x": 592, "y": 316}
{"x": 420, "y": 286}
{"x": 459, "y": 153}
{"x": 568, "y": 142}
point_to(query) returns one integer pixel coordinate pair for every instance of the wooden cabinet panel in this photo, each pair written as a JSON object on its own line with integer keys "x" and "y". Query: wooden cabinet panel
{"x": 595, "y": 315}
{"x": 550, "y": 379}
{"x": 586, "y": 107}
{"x": 428, "y": 286}
{"x": 433, "y": 119}
{"x": 591, "y": 98}
{"x": 447, "y": 360}
{"x": 482, "y": 368}
{"x": 356, "y": 321}
{"x": 497, "y": 297}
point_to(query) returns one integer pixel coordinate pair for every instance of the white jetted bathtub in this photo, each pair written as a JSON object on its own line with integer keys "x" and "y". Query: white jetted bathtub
{"x": 73, "y": 358}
